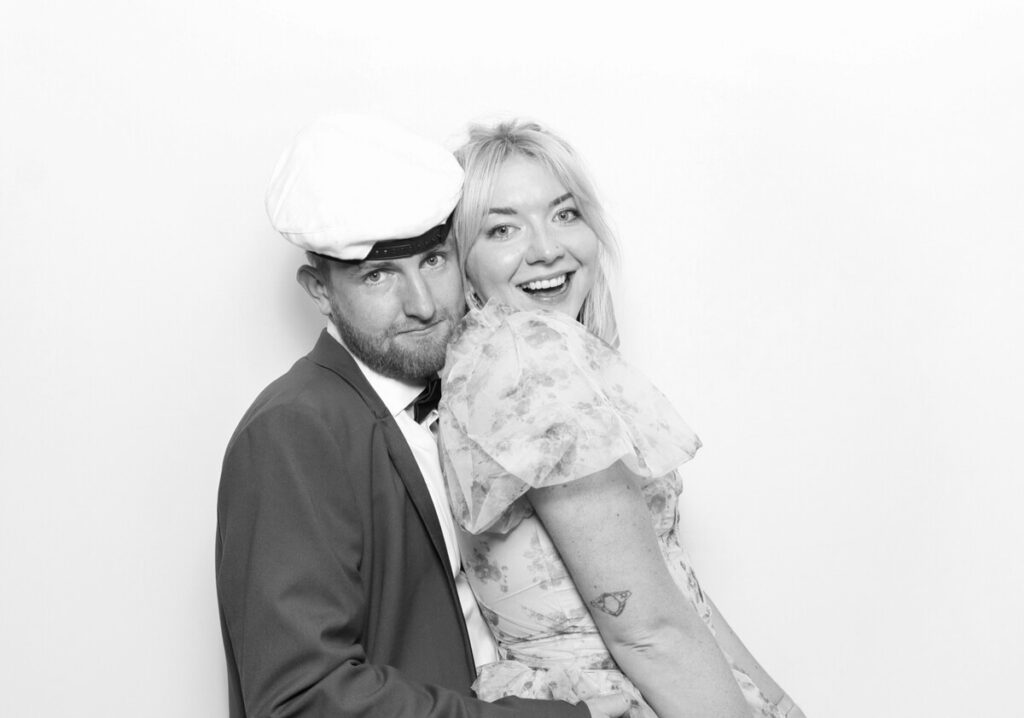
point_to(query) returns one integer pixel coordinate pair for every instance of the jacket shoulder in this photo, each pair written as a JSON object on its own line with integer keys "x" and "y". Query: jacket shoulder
{"x": 308, "y": 393}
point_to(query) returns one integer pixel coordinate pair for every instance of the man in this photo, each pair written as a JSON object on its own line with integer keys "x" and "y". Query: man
{"x": 337, "y": 564}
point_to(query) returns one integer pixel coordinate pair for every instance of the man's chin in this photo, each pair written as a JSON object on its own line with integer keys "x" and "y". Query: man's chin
{"x": 410, "y": 355}
{"x": 421, "y": 356}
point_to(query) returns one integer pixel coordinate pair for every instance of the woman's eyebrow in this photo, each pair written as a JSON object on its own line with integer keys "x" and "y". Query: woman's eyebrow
{"x": 510, "y": 211}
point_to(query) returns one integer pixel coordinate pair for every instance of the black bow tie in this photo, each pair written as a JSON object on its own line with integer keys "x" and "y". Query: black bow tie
{"x": 426, "y": 402}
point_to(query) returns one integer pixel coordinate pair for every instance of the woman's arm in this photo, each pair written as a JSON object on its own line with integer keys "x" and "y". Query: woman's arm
{"x": 743, "y": 659}
{"x": 602, "y": 528}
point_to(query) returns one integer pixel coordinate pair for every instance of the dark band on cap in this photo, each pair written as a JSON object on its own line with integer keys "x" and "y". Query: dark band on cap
{"x": 397, "y": 248}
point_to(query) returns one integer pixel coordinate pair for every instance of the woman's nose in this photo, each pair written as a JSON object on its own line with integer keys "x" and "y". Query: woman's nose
{"x": 544, "y": 247}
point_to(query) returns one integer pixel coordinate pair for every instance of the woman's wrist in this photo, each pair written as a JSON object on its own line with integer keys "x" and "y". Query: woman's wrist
{"x": 786, "y": 708}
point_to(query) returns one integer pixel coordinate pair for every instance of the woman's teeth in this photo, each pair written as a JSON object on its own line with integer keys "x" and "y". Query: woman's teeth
{"x": 541, "y": 284}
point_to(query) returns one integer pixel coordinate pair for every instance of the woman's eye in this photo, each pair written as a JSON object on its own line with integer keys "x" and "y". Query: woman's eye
{"x": 568, "y": 214}
{"x": 499, "y": 231}
{"x": 434, "y": 260}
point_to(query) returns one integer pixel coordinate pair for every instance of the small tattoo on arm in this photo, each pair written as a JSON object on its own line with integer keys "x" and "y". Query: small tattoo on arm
{"x": 612, "y": 603}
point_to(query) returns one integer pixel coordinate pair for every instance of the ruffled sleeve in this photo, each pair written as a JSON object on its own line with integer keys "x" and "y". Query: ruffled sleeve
{"x": 531, "y": 399}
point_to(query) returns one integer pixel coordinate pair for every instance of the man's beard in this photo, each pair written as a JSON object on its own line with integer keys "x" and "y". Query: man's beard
{"x": 410, "y": 361}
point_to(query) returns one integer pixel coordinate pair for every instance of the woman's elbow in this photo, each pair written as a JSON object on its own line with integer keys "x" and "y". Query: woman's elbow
{"x": 657, "y": 636}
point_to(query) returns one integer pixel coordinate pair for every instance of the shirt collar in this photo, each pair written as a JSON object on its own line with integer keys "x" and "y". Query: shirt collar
{"x": 395, "y": 393}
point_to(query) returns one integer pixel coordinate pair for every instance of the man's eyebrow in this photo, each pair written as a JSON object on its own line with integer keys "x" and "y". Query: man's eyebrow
{"x": 372, "y": 265}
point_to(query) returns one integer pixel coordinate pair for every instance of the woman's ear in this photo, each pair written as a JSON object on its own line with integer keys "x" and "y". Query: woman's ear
{"x": 315, "y": 284}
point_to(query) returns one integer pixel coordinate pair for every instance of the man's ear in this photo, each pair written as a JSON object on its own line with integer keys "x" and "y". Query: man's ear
{"x": 316, "y": 287}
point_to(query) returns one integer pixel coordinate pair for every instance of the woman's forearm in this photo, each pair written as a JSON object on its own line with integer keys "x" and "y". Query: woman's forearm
{"x": 602, "y": 529}
{"x": 679, "y": 669}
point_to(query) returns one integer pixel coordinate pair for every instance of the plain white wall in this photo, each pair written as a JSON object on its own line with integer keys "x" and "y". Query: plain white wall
{"x": 820, "y": 213}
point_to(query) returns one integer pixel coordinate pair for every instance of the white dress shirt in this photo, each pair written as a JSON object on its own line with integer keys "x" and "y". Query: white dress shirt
{"x": 398, "y": 396}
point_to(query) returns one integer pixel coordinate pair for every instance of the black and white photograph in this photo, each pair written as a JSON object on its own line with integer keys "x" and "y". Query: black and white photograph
{"x": 528, "y": 360}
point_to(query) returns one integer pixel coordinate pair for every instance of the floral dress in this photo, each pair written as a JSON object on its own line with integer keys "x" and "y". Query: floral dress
{"x": 531, "y": 399}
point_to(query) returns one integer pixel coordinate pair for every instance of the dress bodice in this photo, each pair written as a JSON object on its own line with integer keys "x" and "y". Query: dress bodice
{"x": 529, "y": 400}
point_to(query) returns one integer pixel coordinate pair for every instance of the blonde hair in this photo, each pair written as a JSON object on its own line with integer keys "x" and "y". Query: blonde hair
{"x": 482, "y": 157}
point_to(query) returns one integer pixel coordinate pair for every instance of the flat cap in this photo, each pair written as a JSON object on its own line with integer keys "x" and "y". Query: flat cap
{"x": 357, "y": 187}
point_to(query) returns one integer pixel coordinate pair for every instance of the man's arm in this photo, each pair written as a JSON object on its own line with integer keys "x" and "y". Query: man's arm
{"x": 292, "y": 600}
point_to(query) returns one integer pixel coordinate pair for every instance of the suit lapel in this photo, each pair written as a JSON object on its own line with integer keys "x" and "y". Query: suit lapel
{"x": 329, "y": 354}
{"x": 409, "y": 471}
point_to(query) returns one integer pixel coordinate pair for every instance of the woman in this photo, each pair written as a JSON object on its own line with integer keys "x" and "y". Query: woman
{"x": 560, "y": 459}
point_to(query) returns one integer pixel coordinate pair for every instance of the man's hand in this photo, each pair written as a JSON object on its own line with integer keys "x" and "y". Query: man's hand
{"x": 609, "y": 705}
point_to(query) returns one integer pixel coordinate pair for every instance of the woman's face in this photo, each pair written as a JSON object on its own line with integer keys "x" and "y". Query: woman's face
{"x": 535, "y": 250}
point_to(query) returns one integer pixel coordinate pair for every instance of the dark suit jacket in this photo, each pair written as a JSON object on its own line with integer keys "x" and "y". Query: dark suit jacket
{"x": 336, "y": 594}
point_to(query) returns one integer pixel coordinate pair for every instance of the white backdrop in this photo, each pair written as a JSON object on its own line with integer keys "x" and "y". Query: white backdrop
{"x": 820, "y": 213}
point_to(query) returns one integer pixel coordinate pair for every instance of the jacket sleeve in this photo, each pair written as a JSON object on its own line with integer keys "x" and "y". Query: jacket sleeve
{"x": 291, "y": 595}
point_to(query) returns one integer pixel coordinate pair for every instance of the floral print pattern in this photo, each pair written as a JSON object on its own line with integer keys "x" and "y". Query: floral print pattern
{"x": 531, "y": 399}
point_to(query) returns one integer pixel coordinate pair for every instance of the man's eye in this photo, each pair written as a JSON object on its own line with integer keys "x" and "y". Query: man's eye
{"x": 434, "y": 260}
{"x": 373, "y": 277}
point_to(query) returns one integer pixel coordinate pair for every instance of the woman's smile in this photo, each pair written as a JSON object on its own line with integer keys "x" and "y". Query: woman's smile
{"x": 550, "y": 287}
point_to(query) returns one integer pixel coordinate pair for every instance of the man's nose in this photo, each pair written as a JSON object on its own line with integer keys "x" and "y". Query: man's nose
{"x": 544, "y": 247}
{"x": 418, "y": 300}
